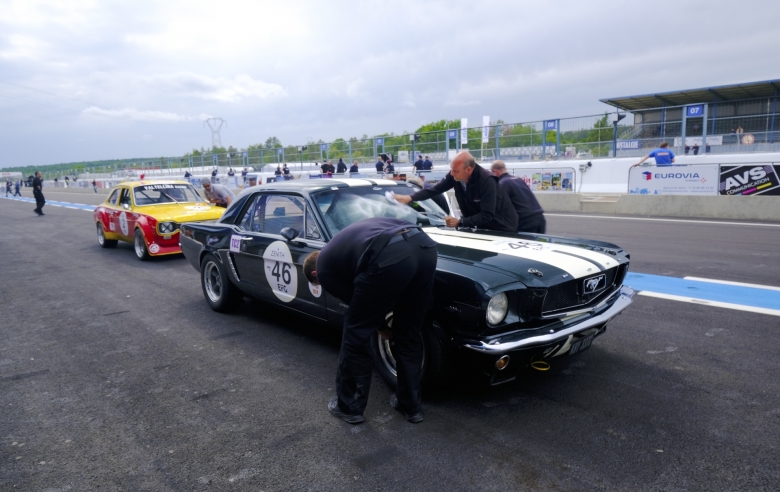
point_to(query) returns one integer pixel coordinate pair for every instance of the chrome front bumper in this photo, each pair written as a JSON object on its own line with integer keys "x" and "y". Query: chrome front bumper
{"x": 517, "y": 341}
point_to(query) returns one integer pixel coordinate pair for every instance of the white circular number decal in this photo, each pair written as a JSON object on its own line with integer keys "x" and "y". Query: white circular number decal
{"x": 154, "y": 249}
{"x": 123, "y": 223}
{"x": 280, "y": 271}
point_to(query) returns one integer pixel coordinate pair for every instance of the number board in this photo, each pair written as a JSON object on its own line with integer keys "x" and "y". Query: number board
{"x": 696, "y": 111}
{"x": 280, "y": 271}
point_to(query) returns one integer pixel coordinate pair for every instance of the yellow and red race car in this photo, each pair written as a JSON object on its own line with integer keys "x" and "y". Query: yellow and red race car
{"x": 148, "y": 214}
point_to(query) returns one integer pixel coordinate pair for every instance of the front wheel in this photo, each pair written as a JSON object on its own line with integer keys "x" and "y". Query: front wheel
{"x": 221, "y": 295}
{"x": 101, "y": 237}
{"x": 435, "y": 356}
{"x": 139, "y": 245}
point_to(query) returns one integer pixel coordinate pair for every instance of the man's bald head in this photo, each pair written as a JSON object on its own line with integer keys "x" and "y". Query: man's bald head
{"x": 462, "y": 166}
{"x": 498, "y": 168}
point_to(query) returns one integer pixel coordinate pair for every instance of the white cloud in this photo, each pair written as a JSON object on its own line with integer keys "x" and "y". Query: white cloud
{"x": 409, "y": 104}
{"x": 136, "y": 115}
{"x": 460, "y": 104}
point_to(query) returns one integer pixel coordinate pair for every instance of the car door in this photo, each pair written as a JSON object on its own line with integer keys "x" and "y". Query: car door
{"x": 125, "y": 218}
{"x": 270, "y": 266}
{"x": 111, "y": 212}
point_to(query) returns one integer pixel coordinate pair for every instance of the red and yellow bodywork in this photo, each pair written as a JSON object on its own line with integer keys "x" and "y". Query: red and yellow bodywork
{"x": 120, "y": 222}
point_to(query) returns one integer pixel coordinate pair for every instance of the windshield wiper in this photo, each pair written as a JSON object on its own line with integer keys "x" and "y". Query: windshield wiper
{"x": 169, "y": 197}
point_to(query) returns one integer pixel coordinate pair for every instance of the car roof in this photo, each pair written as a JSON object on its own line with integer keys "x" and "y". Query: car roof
{"x": 314, "y": 185}
{"x": 152, "y": 181}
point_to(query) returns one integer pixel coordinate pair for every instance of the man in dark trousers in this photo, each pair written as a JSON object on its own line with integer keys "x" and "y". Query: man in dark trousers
{"x": 341, "y": 167}
{"x": 376, "y": 266}
{"x": 38, "y": 193}
{"x": 482, "y": 202}
{"x": 427, "y": 164}
{"x": 380, "y": 165}
{"x": 418, "y": 164}
{"x": 530, "y": 215}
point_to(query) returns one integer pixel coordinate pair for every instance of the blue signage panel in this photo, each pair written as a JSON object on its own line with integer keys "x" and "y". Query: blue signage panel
{"x": 323, "y": 146}
{"x": 452, "y": 134}
{"x": 695, "y": 111}
{"x": 380, "y": 141}
{"x": 214, "y": 157}
{"x": 551, "y": 124}
{"x": 279, "y": 151}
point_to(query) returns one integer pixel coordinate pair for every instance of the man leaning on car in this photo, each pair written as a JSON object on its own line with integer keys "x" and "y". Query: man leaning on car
{"x": 482, "y": 202}
{"x": 217, "y": 194}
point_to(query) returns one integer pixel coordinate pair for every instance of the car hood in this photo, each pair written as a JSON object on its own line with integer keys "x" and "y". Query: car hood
{"x": 181, "y": 212}
{"x": 535, "y": 263}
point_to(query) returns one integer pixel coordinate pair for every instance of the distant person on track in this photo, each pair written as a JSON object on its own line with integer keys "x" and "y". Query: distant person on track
{"x": 341, "y": 167}
{"x": 418, "y": 164}
{"x": 354, "y": 168}
{"x": 427, "y": 164}
{"x": 530, "y": 215}
{"x": 380, "y": 164}
{"x": 17, "y": 185}
{"x": 40, "y": 201}
{"x": 187, "y": 174}
{"x": 7, "y": 188}
{"x": 243, "y": 175}
{"x": 94, "y": 185}
{"x": 217, "y": 194}
{"x": 662, "y": 155}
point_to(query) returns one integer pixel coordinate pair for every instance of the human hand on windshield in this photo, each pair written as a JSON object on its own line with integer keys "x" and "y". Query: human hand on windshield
{"x": 405, "y": 199}
{"x": 451, "y": 221}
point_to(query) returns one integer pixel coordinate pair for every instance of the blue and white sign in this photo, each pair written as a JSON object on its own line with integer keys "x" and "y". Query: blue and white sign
{"x": 695, "y": 111}
{"x": 551, "y": 125}
{"x": 452, "y": 134}
{"x": 674, "y": 180}
{"x": 280, "y": 151}
{"x": 323, "y": 146}
{"x": 214, "y": 157}
{"x": 627, "y": 144}
{"x": 380, "y": 141}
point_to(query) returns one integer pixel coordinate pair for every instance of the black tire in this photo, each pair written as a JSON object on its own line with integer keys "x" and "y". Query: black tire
{"x": 139, "y": 246}
{"x": 101, "y": 237}
{"x": 436, "y": 357}
{"x": 220, "y": 293}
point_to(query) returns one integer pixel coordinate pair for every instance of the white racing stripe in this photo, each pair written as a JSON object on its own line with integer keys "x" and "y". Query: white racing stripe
{"x": 350, "y": 181}
{"x": 578, "y": 266}
{"x": 705, "y": 302}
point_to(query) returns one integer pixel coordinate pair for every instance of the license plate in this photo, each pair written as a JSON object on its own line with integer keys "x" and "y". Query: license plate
{"x": 581, "y": 344}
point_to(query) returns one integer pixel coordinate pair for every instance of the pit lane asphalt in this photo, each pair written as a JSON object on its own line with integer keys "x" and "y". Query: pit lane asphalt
{"x": 115, "y": 375}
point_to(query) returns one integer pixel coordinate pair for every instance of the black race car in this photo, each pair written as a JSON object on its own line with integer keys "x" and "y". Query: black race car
{"x": 502, "y": 301}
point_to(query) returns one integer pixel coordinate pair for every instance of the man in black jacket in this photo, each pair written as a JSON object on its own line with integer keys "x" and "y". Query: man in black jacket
{"x": 376, "y": 266}
{"x": 341, "y": 167}
{"x": 482, "y": 202}
{"x": 38, "y": 193}
{"x": 530, "y": 216}
{"x": 354, "y": 168}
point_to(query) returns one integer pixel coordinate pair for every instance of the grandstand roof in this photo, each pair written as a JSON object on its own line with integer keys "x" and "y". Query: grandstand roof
{"x": 749, "y": 90}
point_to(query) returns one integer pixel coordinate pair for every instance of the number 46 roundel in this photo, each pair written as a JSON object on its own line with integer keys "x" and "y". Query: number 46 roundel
{"x": 280, "y": 271}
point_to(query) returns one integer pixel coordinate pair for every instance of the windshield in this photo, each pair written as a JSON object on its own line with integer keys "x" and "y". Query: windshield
{"x": 153, "y": 194}
{"x": 344, "y": 206}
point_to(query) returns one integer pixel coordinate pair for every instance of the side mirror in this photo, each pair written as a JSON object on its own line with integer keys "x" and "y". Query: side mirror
{"x": 125, "y": 205}
{"x": 289, "y": 234}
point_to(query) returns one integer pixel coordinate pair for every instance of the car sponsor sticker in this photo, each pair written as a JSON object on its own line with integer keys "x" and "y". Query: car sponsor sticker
{"x": 154, "y": 248}
{"x": 280, "y": 271}
{"x": 235, "y": 243}
{"x": 112, "y": 226}
{"x": 316, "y": 290}
{"x": 123, "y": 224}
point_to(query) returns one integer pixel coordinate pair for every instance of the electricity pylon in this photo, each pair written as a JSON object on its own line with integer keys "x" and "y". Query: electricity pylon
{"x": 215, "y": 124}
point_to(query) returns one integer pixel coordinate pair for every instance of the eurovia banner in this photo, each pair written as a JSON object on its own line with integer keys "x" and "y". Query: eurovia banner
{"x": 757, "y": 179}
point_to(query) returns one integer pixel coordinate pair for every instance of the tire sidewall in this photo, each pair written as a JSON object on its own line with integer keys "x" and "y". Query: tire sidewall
{"x": 140, "y": 235}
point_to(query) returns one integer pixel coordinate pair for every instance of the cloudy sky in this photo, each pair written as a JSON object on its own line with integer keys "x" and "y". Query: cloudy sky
{"x": 88, "y": 80}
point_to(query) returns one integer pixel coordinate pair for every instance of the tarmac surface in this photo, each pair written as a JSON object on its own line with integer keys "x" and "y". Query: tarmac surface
{"x": 116, "y": 375}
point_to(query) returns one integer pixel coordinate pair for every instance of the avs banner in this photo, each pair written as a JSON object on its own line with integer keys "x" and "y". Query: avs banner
{"x": 756, "y": 179}
{"x": 673, "y": 180}
{"x": 558, "y": 180}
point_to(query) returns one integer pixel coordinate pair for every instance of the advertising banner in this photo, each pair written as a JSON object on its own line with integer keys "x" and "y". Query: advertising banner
{"x": 548, "y": 179}
{"x": 464, "y": 134}
{"x": 627, "y": 144}
{"x": 673, "y": 180}
{"x": 756, "y": 179}
{"x": 485, "y": 129}
{"x": 691, "y": 141}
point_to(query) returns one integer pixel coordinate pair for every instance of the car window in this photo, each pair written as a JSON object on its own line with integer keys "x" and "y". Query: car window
{"x": 113, "y": 197}
{"x": 271, "y": 213}
{"x": 342, "y": 207}
{"x": 153, "y": 194}
{"x": 125, "y": 197}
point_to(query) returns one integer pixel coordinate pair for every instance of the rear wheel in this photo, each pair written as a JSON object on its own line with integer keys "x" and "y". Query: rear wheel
{"x": 139, "y": 245}
{"x": 101, "y": 237}
{"x": 435, "y": 357}
{"x": 220, "y": 293}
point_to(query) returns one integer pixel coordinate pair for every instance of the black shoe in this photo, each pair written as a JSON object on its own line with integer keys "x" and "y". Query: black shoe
{"x": 414, "y": 418}
{"x": 333, "y": 408}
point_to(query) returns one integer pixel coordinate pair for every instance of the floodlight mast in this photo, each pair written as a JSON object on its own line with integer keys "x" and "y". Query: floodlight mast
{"x": 215, "y": 125}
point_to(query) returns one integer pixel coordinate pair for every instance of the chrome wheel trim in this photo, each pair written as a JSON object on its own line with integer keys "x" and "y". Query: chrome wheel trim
{"x": 140, "y": 246}
{"x": 101, "y": 235}
{"x": 212, "y": 281}
{"x": 386, "y": 351}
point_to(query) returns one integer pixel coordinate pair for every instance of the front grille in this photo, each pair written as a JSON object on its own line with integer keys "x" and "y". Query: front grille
{"x": 568, "y": 295}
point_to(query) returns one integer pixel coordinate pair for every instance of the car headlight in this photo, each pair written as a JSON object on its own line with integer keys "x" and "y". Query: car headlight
{"x": 167, "y": 227}
{"x": 497, "y": 308}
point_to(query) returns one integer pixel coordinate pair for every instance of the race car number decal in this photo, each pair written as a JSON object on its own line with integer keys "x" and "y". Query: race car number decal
{"x": 235, "y": 243}
{"x": 123, "y": 223}
{"x": 154, "y": 248}
{"x": 316, "y": 290}
{"x": 280, "y": 271}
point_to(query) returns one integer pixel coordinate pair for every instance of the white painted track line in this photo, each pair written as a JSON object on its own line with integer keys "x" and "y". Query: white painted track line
{"x": 664, "y": 220}
{"x": 727, "y": 282}
{"x": 704, "y": 302}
